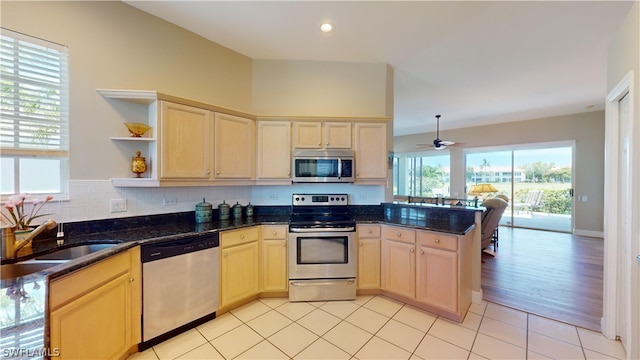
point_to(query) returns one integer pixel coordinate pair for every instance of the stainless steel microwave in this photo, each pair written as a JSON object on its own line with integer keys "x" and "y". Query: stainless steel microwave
{"x": 323, "y": 166}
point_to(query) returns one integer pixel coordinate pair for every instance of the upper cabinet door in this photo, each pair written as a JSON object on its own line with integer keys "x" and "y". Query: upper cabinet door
{"x": 234, "y": 147}
{"x": 307, "y": 135}
{"x": 274, "y": 150}
{"x": 185, "y": 142}
{"x": 371, "y": 151}
{"x": 337, "y": 135}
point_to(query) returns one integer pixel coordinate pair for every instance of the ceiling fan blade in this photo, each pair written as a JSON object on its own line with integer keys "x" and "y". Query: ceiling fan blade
{"x": 447, "y": 142}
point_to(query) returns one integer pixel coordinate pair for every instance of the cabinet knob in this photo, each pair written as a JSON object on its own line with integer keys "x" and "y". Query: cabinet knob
{"x": 274, "y": 233}
{"x": 224, "y": 254}
{"x": 437, "y": 241}
{"x": 421, "y": 252}
{"x": 412, "y": 250}
{"x": 399, "y": 234}
{"x": 217, "y": 172}
{"x": 241, "y": 236}
{"x": 208, "y": 172}
{"x": 370, "y": 231}
{"x": 131, "y": 279}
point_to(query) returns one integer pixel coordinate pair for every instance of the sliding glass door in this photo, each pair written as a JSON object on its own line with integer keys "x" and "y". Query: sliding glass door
{"x": 537, "y": 180}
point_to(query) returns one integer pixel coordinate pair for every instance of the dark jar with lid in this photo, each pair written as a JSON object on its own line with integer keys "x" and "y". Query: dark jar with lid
{"x": 237, "y": 211}
{"x": 249, "y": 210}
{"x": 223, "y": 211}
{"x": 204, "y": 212}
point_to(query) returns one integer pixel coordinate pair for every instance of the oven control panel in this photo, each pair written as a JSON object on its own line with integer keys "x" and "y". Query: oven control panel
{"x": 320, "y": 199}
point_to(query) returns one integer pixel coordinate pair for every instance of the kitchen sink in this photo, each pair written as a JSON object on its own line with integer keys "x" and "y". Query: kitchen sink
{"x": 10, "y": 271}
{"x": 74, "y": 252}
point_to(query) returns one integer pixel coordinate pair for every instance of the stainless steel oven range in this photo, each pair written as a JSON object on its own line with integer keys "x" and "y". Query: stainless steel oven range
{"x": 322, "y": 263}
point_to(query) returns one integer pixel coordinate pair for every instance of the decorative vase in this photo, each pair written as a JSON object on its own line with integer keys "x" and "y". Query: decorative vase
{"x": 138, "y": 164}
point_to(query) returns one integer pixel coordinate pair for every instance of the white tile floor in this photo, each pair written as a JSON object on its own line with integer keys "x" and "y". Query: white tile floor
{"x": 376, "y": 327}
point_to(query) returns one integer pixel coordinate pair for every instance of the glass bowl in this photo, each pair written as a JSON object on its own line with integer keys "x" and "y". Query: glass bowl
{"x": 137, "y": 129}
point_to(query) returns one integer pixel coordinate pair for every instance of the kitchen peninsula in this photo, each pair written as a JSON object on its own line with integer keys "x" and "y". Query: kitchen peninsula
{"x": 444, "y": 235}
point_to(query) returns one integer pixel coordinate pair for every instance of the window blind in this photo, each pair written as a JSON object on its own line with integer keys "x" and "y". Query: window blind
{"x": 34, "y": 105}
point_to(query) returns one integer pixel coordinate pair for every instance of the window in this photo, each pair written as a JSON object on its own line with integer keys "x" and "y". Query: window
{"x": 426, "y": 176}
{"x": 34, "y": 121}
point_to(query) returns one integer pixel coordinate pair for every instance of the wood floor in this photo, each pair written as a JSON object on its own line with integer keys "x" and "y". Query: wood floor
{"x": 555, "y": 275}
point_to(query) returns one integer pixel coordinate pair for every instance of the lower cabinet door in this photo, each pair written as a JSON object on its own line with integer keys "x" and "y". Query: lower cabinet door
{"x": 274, "y": 261}
{"x": 437, "y": 278}
{"x": 369, "y": 264}
{"x": 96, "y": 325}
{"x": 239, "y": 273}
{"x": 399, "y": 268}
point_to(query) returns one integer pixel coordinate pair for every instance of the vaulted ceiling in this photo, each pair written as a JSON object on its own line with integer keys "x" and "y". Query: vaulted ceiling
{"x": 474, "y": 62}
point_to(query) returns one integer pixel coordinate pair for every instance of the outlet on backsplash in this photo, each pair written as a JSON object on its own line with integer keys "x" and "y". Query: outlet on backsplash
{"x": 171, "y": 201}
{"x": 117, "y": 205}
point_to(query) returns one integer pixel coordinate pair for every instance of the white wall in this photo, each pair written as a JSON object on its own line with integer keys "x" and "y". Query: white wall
{"x": 622, "y": 229}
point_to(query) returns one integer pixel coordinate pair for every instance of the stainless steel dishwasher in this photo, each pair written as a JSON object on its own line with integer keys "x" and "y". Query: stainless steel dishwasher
{"x": 179, "y": 286}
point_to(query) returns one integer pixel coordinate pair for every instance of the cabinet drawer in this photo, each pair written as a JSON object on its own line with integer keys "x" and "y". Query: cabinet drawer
{"x": 240, "y": 236}
{"x": 368, "y": 231}
{"x": 274, "y": 232}
{"x": 438, "y": 241}
{"x": 78, "y": 283}
{"x": 399, "y": 234}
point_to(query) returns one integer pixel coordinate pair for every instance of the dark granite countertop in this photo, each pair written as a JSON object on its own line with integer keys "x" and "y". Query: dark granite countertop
{"x": 23, "y": 316}
{"x": 23, "y": 299}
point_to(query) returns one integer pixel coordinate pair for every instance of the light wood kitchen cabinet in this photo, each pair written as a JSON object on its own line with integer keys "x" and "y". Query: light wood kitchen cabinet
{"x": 371, "y": 151}
{"x": 428, "y": 269}
{"x": 239, "y": 265}
{"x": 234, "y": 142}
{"x": 274, "y": 258}
{"x": 95, "y": 312}
{"x": 274, "y": 150}
{"x": 399, "y": 261}
{"x": 369, "y": 246}
{"x": 337, "y": 135}
{"x": 322, "y": 135}
{"x": 437, "y": 264}
{"x": 307, "y": 135}
{"x": 185, "y": 142}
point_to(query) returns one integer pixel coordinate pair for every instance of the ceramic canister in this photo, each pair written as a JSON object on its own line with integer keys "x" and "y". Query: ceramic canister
{"x": 237, "y": 211}
{"x": 204, "y": 212}
{"x": 249, "y": 210}
{"x": 223, "y": 211}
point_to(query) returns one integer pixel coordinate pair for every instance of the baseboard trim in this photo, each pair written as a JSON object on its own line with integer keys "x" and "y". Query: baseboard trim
{"x": 476, "y": 297}
{"x": 588, "y": 233}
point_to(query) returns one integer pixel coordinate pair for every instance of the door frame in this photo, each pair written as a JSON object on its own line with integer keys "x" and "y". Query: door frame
{"x": 610, "y": 321}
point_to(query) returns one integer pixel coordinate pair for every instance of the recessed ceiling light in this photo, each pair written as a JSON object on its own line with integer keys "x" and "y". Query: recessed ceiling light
{"x": 326, "y": 27}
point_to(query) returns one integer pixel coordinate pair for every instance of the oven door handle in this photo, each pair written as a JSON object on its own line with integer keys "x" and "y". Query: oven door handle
{"x": 319, "y": 282}
{"x": 316, "y": 230}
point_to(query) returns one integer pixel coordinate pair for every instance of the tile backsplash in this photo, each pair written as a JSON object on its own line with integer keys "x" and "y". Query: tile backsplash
{"x": 91, "y": 199}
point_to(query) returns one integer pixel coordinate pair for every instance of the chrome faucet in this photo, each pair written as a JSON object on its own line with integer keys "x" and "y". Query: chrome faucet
{"x": 11, "y": 246}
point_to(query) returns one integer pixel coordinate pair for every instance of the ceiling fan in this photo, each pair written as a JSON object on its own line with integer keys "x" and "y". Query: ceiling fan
{"x": 437, "y": 143}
